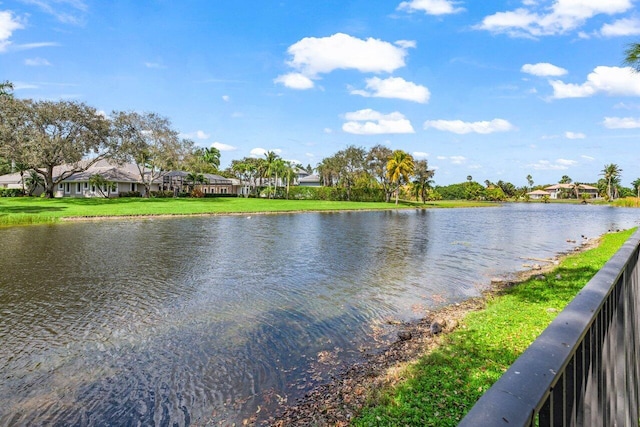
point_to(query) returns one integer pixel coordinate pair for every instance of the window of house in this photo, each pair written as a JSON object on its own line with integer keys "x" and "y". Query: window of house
{"x": 223, "y": 191}
{"x": 134, "y": 186}
{"x": 67, "y": 187}
{"x": 78, "y": 188}
{"x": 61, "y": 186}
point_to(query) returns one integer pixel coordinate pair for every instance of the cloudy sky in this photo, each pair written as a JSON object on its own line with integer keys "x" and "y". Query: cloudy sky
{"x": 493, "y": 89}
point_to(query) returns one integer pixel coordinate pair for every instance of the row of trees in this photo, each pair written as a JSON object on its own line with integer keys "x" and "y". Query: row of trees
{"x": 37, "y": 136}
{"x": 377, "y": 168}
{"x": 609, "y": 187}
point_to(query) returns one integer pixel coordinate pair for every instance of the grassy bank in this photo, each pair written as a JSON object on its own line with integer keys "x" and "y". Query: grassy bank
{"x": 442, "y": 386}
{"x": 27, "y": 210}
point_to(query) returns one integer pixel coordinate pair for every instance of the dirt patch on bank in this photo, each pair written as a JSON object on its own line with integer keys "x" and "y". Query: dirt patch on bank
{"x": 337, "y": 402}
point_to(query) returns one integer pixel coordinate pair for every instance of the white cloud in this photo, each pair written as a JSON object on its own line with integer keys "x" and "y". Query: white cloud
{"x": 430, "y": 7}
{"x": 260, "y": 152}
{"x": 559, "y": 164}
{"x": 565, "y": 162}
{"x": 457, "y": 160}
{"x": 394, "y": 87}
{"x": 622, "y": 27}
{"x": 199, "y": 134}
{"x": 420, "y": 155}
{"x": 588, "y": 158}
{"x": 28, "y": 46}
{"x": 543, "y": 69}
{"x": 155, "y": 65}
{"x": 441, "y": 158}
{"x": 8, "y": 24}
{"x": 223, "y": 147}
{"x": 327, "y": 130}
{"x": 370, "y": 122}
{"x": 574, "y": 135}
{"x": 257, "y": 152}
{"x": 65, "y": 11}
{"x": 615, "y": 81}
{"x": 313, "y": 56}
{"x": 537, "y": 19}
{"x": 36, "y": 62}
{"x": 460, "y": 127}
{"x": 621, "y": 122}
{"x": 225, "y": 98}
{"x": 295, "y": 81}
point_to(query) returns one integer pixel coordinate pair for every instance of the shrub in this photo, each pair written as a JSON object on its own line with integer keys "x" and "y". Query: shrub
{"x": 196, "y": 192}
{"x": 10, "y": 192}
{"x": 130, "y": 194}
{"x": 162, "y": 194}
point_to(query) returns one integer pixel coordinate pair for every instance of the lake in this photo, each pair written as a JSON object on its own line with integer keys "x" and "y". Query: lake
{"x": 189, "y": 321}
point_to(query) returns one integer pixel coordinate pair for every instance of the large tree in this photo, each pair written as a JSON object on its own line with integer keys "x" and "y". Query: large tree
{"x": 148, "y": 141}
{"x": 43, "y": 135}
{"x": 376, "y": 163}
{"x": 399, "y": 169}
{"x": 350, "y": 162}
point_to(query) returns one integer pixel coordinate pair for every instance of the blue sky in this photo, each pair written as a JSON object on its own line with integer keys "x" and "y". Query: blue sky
{"x": 495, "y": 90}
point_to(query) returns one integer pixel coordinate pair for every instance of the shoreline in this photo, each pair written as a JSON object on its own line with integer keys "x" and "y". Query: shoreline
{"x": 335, "y": 403}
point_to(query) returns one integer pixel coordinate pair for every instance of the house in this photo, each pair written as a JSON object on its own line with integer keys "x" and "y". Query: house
{"x": 564, "y": 191}
{"x": 538, "y": 194}
{"x": 178, "y": 181}
{"x": 310, "y": 181}
{"x": 125, "y": 178}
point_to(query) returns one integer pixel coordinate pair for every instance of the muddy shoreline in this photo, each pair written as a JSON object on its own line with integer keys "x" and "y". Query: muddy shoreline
{"x": 335, "y": 403}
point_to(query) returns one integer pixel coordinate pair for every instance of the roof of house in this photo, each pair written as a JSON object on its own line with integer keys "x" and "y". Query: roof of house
{"x": 538, "y": 193}
{"x": 570, "y": 187}
{"x": 310, "y": 178}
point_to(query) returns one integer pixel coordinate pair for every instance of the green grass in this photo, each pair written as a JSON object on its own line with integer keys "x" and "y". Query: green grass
{"x": 27, "y": 210}
{"x": 443, "y": 386}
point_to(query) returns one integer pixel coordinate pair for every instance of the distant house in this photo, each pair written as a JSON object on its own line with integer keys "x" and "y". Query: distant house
{"x": 178, "y": 181}
{"x": 559, "y": 191}
{"x": 538, "y": 194}
{"x": 310, "y": 181}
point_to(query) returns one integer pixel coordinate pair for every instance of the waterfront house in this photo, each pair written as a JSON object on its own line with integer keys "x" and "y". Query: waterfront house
{"x": 538, "y": 194}
{"x": 564, "y": 191}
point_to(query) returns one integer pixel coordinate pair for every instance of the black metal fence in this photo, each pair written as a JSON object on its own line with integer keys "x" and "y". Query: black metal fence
{"x": 584, "y": 369}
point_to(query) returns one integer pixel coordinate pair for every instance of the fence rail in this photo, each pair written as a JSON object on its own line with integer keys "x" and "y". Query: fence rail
{"x": 584, "y": 369}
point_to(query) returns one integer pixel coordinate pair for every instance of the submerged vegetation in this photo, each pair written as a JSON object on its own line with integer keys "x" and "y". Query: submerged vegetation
{"x": 442, "y": 386}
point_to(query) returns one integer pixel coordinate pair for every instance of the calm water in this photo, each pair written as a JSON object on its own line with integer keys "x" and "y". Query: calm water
{"x": 212, "y": 319}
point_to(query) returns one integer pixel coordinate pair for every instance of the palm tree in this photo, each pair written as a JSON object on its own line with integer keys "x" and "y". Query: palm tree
{"x": 290, "y": 173}
{"x": 399, "y": 168}
{"x": 195, "y": 178}
{"x": 611, "y": 174}
{"x": 33, "y": 181}
{"x": 636, "y": 186}
{"x": 422, "y": 178}
{"x": 212, "y": 157}
{"x": 632, "y": 58}
{"x": 270, "y": 167}
{"x": 530, "y": 182}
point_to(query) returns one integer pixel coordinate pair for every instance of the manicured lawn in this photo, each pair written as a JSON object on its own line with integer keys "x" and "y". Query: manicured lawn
{"x": 443, "y": 386}
{"x": 26, "y": 210}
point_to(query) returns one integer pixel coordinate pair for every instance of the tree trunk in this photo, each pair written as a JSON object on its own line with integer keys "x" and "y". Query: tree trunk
{"x": 49, "y": 185}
